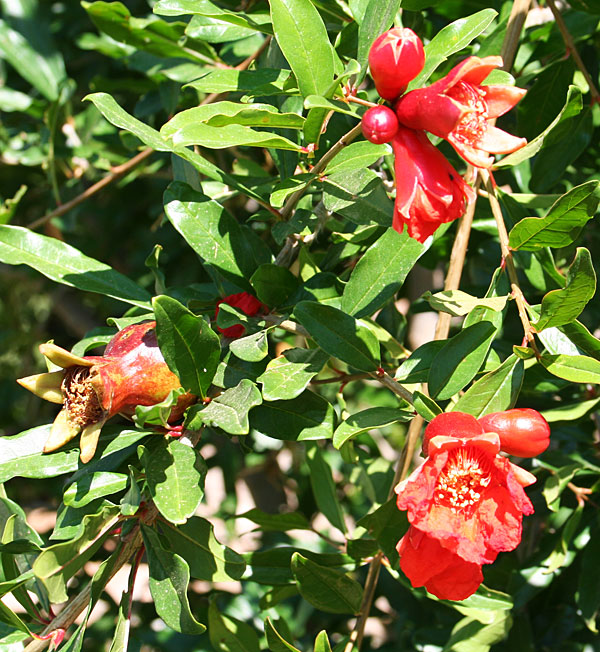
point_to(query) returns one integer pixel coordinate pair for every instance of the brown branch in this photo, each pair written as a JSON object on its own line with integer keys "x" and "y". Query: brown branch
{"x": 572, "y": 49}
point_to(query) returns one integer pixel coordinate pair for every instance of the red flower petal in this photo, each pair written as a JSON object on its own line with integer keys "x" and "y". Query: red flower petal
{"x": 501, "y": 98}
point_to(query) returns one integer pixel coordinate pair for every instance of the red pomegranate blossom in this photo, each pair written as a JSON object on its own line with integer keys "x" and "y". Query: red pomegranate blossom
{"x": 92, "y": 389}
{"x": 395, "y": 59}
{"x": 248, "y": 304}
{"x": 465, "y": 504}
{"x": 459, "y": 109}
{"x": 429, "y": 191}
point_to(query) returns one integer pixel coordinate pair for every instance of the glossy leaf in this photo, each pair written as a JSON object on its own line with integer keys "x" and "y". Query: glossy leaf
{"x": 458, "y": 303}
{"x": 303, "y": 39}
{"x": 175, "y": 475}
{"x": 380, "y": 273}
{"x": 252, "y": 82}
{"x": 228, "y": 411}
{"x": 169, "y": 579}
{"x": 326, "y": 589}
{"x": 364, "y": 421}
{"x": 322, "y": 642}
{"x": 416, "y": 368}
{"x": 92, "y": 486}
{"x": 357, "y": 156}
{"x": 323, "y": 487}
{"x": 575, "y": 368}
{"x": 273, "y": 284}
{"x": 563, "y": 222}
{"x": 228, "y": 634}
{"x": 339, "y": 334}
{"x": 275, "y": 640}
{"x": 251, "y": 348}
{"x": 288, "y": 375}
{"x": 64, "y": 264}
{"x": 190, "y": 347}
{"x": 276, "y": 522}
{"x": 306, "y": 417}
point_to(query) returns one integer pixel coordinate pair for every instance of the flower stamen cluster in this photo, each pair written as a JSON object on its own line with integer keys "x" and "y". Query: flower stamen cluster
{"x": 463, "y": 479}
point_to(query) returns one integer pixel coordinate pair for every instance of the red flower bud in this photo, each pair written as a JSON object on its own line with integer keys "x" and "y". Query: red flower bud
{"x": 523, "y": 432}
{"x": 248, "y": 304}
{"x": 379, "y": 124}
{"x": 451, "y": 424}
{"x": 395, "y": 59}
{"x": 91, "y": 389}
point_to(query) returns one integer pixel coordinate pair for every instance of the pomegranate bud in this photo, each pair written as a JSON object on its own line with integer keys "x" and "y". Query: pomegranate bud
{"x": 451, "y": 424}
{"x": 379, "y": 124}
{"x": 523, "y": 432}
{"x": 248, "y": 304}
{"x": 395, "y": 59}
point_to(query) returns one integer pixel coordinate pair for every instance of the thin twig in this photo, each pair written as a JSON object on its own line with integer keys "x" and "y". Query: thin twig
{"x": 572, "y": 49}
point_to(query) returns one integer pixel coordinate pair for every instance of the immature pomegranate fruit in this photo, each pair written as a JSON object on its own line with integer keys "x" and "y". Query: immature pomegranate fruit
{"x": 248, "y": 304}
{"x": 379, "y": 124}
{"x": 395, "y": 59}
{"x": 92, "y": 389}
{"x": 523, "y": 432}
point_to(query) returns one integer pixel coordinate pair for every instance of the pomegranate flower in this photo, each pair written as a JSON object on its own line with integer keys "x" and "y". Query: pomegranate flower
{"x": 395, "y": 59}
{"x": 465, "y": 504}
{"x": 248, "y": 304}
{"x": 429, "y": 191}
{"x": 91, "y": 389}
{"x": 459, "y": 109}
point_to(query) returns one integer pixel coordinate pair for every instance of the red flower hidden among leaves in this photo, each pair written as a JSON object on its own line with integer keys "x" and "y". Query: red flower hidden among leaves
{"x": 395, "y": 58}
{"x": 248, "y": 304}
{"x": 429, "y": 191}
{"x": 459, "y": 109}
{"x": 465, "y": 504}
{"x": 91, "y": 389}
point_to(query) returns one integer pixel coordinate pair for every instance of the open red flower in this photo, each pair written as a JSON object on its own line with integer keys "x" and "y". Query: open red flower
{"x": 465, "y": 504}
{"x": 248, "y": 304}
{"x": 92, "y": 389}
{"x": 429, "y": 191}
{"x": 459, "y": 109}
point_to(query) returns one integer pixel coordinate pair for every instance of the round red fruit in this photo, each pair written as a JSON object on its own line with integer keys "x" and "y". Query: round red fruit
{"x": 379, "y": 124}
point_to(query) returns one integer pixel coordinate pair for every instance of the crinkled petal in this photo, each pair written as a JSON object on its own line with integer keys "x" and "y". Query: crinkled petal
{"x": 501, "y": 98}
{"x": 473, "y": 155}
{"x": 499, "y": 142}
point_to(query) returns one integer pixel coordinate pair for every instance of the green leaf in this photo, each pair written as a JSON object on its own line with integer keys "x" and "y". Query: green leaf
{"x": 275, "y": 640}
{"x": 587, "y": 596}
{"x": 58, "y": 563}
{"x": 570, "y": 412}
{"x": 318, "y": 102}
{"x": 322, "y": 642}
{"x": 557, "y": 483}
{"x": 426, "y": 406}
{"x": 563, "y": 222}
{"x": 214, "y": 234}
{"x": 360, "y": 422}
{"x": 229, "y": 411}
{"x": 288, "y": 375}
{"x": 452, "y": 39}
{"x": 573, "y": 106}
{"x": 378, "y": 17}
{"x": 175, "y": 475}
{"x": 273, "y": 284}
{"x": 302, "y": 37}
{"x": 326, "y": 589}
{"x": 208, "y": 559}
{"x": 416, "y": 368}
{"x": 562, "y": 306}
{"x": 472, "y": 635}
{"x": 387, "y": 524}
{"x": 120, "y": 639}
{"x": 575, "y": 368}
{"x": 92, "y": 486}
{"x": 276, "y": 522}
{"x": 64, "y": 264}
{"x": 169, "y": 579}
{"x": 458, "y": 303}
{"x": 496, "y": 391}
{"x": 358, "y": 195}
{"x": 42, "y": 68}
{"x": 380, "y": 273}
{"x": 340, "y": 335}
{"x": 306, "y": 417}
{"x": 460, "y": 360}
{"x": 190, "y": 347}
{"x": 323, "y": 487}
{"x": 252, "y": 348}
{"x": 232, "y": 370}
{"x": 357, "y": 156}
{"x": 260, "y": 82}
{"x": 229, "y": 634}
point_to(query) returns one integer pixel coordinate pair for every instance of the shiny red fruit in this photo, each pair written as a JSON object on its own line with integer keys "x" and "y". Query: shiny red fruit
{"x": 523, "y": 432}
{"x": 379, "y": 124}
{"x": 395, "y": 59}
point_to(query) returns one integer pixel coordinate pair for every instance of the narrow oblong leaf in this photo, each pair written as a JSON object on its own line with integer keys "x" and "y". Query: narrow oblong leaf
{"x": 64, "y": 264}
{"x": 364, "y": 421}
{"x": 323, "y": 487}
{"x": 325, "y": 588}
{"x": 302, "y": 37}
{"x": 275, "y": 640}
{"x": 190, "y": 347}
{"x": 339, "y": 334}
{"x": 575, "y": 368}
{"x": 288, "y": 375}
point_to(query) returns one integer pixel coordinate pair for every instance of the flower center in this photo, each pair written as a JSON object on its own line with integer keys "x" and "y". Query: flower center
{"x": 80, "y": 398}
{"x": 463, "y": 480}
{"x": 472, "y": 125}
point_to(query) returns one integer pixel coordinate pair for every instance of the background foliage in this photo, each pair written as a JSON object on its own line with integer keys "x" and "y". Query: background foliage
{"x": 199, "y": 117}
